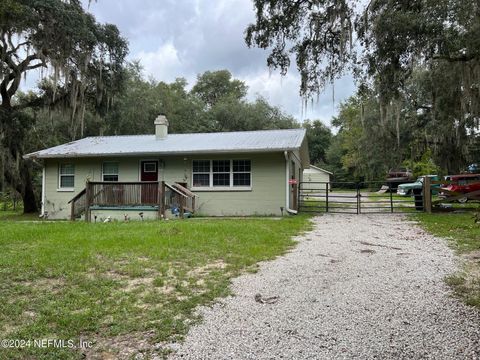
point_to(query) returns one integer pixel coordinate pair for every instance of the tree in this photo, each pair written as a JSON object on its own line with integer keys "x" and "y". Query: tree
{"x": 239, "y": 115}
{"x": 319, "y": 137}
{"x": 334, "y": 156}
{"x": 213, "y": 86}
{"x": 86, "y": 61}
{"x": 318, "y": 32}
{"x": 420, "y": 61}
{"x": 142, "y": 100}
{"x": 394, "y": 36}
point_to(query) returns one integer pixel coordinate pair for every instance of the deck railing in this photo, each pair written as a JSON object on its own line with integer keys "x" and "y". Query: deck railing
{"x": 78, "y": 204}
{"x": 123, "y": 193}
{"x": 117, "y": 194}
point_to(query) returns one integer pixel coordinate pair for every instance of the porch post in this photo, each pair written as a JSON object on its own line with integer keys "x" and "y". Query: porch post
{"x": 162, "y": 202}
{"x": 182, "y": 205}
{"x": 159, "y": 199}
{"x": 87, "y": 201}
{"x": 72, "y": 211}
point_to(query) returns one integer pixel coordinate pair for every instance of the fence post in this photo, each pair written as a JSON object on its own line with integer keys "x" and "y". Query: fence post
{"x": 326, "y": 198}
{"x": 427, "y": 194}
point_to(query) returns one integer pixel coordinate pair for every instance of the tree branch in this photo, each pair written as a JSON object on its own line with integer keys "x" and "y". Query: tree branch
{"x": 457, "y": 58}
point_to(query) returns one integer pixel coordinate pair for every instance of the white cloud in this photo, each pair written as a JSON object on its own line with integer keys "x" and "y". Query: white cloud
{"x": 163, "y": 64}
{"x": 284, "y": 92}
{"x": 183, "y": 38}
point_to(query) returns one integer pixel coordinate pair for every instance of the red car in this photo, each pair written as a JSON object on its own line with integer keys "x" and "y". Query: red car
{"x": 463, "y": 184}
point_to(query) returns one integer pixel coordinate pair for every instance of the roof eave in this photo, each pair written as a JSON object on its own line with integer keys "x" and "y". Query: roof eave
{"x": 319, "y": 168}
{"x": 76, "y": 155}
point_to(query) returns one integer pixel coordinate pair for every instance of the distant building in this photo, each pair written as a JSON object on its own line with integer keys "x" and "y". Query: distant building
{"x": 315, "y": 178}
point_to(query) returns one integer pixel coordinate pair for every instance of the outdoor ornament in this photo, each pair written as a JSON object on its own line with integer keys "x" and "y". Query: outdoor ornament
{"x": 281, "y": 209}
{"x": 141, "y": 215}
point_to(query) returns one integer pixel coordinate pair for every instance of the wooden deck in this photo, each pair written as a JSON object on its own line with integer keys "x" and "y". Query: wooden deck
{"x": 123, "y": 195}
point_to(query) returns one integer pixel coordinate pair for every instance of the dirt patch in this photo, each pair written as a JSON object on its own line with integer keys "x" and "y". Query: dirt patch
{"x": 203, "y": 270}
{"x": 473, "y": 256}
{"x": 120, "y": 347}
{"x": 9, "y": 328}
{"x": 44, "y": 284}
{"x": 113, "y": 275}
{"x": 472, "y": 274}
{"x": 30, "y": 314}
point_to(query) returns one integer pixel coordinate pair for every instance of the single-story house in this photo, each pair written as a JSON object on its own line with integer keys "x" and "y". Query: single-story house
{"x": 315, "y": 178}
{"x": 151, "y": 176}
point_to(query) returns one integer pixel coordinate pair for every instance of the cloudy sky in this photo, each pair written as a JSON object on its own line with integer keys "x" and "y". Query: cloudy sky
{"x": 182, "y": 38}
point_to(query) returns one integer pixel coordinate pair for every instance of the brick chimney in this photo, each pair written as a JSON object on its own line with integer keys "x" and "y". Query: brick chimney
{"x": 161, "y": 127}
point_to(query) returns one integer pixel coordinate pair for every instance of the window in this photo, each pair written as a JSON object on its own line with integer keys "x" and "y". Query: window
{"x": 110, "y": 171}
{"x": 66, "y": 176}
{"x": 221, "y": 173}
{"x": 241, "y": 173}
{"x": 201, "y": 173}
{"x": 150, "y": 167}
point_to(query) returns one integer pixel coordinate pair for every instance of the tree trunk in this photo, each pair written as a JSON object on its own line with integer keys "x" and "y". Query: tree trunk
{"x": 28, "y": 195}
{"x": 16, "y": 171}
{"x": 24, "y": 186}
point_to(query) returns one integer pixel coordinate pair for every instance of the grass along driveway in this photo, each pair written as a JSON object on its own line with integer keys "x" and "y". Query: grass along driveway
{"x": 124, "y": 286}
{"x": 464, "y": 236}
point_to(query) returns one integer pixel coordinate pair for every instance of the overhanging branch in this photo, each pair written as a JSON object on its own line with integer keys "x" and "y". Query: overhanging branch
{"x": 456, "y": 58}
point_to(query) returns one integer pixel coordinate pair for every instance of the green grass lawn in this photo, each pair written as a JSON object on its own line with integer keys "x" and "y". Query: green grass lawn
{"x": 14, "y": 215}
{"x": 320, "y": 206}
{"x": 464, "y": 237}
{"x": 119, "y": 283}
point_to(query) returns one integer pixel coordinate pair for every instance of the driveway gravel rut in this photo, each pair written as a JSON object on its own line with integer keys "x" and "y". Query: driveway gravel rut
{"x": 358, "y": 287}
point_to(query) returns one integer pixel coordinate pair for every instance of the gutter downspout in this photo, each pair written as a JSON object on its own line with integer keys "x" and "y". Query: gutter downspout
{"x": 287, "y": 188}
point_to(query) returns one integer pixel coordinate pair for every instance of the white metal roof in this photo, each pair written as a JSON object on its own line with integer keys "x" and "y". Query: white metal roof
{"x": 313, "y": 169}
{"x": 199, "y": 143}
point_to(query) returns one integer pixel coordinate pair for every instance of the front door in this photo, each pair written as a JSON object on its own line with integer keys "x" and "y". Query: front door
{"x": 149, "y": 172}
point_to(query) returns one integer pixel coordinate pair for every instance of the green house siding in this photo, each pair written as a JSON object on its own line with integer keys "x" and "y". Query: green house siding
{"x": 266, "y": 196}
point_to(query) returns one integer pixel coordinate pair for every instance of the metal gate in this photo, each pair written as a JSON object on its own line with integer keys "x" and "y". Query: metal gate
{"x": 355, "y": 198}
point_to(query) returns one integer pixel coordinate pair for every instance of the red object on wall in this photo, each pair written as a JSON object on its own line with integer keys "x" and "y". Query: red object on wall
{"x": 292, "y": 181}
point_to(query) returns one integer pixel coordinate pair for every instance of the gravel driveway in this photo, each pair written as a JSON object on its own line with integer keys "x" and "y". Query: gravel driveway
{"x": 354, "y": 287}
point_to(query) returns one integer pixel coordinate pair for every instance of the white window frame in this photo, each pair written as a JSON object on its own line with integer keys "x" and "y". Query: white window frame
{"x": 209, "y": 173}
{"x": 241, "y": 172}
{"x": 231, "y": 187}
{"x": 150, "y": 162}
{"x": 117, "y": 174}
{"x": 60, "y": 175}
{"x": 230, "y": 177}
